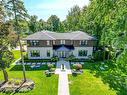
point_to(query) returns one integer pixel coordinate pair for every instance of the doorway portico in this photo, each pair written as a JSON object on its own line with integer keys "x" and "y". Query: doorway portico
{"x": 63, "y": 51}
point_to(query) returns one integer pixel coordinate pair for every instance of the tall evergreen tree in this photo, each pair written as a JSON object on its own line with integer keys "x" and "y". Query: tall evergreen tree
{"x": 17, "y": 9}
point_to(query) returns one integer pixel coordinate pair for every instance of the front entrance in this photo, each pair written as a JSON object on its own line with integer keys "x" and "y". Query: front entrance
{"x": 62, "y": 54}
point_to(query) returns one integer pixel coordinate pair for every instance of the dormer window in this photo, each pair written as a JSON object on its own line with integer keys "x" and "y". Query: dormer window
{"x": 83, "y": 42}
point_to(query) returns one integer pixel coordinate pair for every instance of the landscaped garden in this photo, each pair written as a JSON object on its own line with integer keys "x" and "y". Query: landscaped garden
{"x": 43, "y": 85}
{"x": 88, "y": 83}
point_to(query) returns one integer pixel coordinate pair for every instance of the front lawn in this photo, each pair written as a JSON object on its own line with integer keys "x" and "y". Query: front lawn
{"x": 88, "y": 84}
{"x": 17, "y": 54}
{"x": 43, "y": 85}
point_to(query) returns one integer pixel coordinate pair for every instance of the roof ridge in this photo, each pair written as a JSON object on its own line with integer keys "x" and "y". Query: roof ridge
{"x": 48, "y": 35}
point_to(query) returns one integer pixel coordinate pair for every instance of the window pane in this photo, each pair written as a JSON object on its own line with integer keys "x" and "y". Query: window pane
{"x": 48, "y": 53}
{"x": 35, "y": 53}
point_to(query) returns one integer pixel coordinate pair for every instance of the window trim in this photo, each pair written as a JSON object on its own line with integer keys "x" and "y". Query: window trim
{"x": 83, "y": 42}
{"x": 62, "y": 41}
{"x": 34, "y": 42}
{"x": 48, "y": 53}
{"x": 33, "y": 53}
{"x": 83, "y": 53}
{"x": 48, "y": 42}
{"x": 54, "y": 42}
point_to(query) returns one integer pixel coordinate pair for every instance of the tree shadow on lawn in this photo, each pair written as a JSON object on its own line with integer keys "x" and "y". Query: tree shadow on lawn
{"x": 108, "y": 77}
{"x": 28, "y": 68}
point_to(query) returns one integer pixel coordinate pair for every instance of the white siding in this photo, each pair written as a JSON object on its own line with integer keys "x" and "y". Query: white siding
{"x": 43, "y": 52}
{"x": 89, "y": 49}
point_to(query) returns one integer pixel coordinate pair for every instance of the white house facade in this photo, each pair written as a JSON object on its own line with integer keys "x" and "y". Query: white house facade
{"x": 46, "y": 44}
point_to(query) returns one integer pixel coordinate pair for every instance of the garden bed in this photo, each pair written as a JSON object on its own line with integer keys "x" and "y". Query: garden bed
{"x": 80, "y": 60}
{"x": 17, "y": 85}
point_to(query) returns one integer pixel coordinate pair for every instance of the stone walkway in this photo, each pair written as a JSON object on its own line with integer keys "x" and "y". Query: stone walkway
{"x": 63, "y": 86}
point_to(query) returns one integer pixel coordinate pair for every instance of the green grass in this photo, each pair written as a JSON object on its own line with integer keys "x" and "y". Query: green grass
{"x": 43, "y": 85}
{"x": 17, "y": 54}
{"x": 88, "y": 84}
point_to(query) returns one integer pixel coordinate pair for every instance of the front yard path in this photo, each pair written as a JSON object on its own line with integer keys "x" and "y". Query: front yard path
{"x": 63, "y": 86}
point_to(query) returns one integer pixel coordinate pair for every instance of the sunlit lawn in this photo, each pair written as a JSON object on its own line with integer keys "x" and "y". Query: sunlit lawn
{"x": 43, "y": 85}
{"x": 88, "y": 84}
{"x": 17, "y": 54}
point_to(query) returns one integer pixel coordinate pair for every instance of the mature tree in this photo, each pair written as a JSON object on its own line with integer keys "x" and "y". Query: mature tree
{"x": 7, "y": 39}
{"x": 41, "y": 24}
{"x": 54, "y": 23}
{"x": 17, "y": 9}
{"x": 73, "y": 18}
{"x": 33, "y": 24}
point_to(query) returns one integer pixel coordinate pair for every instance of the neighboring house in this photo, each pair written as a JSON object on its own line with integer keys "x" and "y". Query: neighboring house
{"x": 46, "y": 44}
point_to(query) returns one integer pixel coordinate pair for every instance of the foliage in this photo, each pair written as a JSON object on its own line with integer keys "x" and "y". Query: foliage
{"x": 98, "y": 55}
{"x": 50, "y": 66}
{"x": 70, "y": 58}
{"x": 77, "y": 66}
{"x": 55, "y": 58}
{"x": 54, "y": 23}
{"x": 10, "y": 81}
{"x": 33, "y": 24}
{"x": 50, "y": 84}
{"x": 18, "y": 82}
{"x": 72, "y": 20}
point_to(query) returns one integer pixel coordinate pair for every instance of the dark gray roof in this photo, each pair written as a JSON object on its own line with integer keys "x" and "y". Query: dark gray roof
{"x": 49, "y": 35}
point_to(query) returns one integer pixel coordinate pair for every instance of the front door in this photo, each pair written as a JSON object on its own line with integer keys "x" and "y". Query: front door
{"x": 61, "y": 54}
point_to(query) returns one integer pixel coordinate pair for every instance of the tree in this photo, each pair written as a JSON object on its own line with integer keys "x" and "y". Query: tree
{"x": 54, "y": 23}
{"x": 73, "y": 18}
{"x": 41, "y": 24}
{"x": 7, "y": 38}
{"x": 33, "y": 24}
{"x": 17, "y": 9}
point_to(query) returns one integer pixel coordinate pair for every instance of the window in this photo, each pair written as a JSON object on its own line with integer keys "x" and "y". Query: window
{"x": 62, "y": 42}
{"x": 83, "y": 42}
{"x": 34, "y": 43}
{"x": 82, "y": 53}
{"x": 48, "y": 53}
{"x": 35, "y": 53}
{"x": 53, "y": 42}
{"x": 48, "y": 43}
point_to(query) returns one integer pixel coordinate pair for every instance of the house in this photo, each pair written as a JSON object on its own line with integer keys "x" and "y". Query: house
{"x": 46, "y": 44}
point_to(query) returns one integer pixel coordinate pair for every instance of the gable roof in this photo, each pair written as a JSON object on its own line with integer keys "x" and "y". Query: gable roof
{"x": 49, "y": 35}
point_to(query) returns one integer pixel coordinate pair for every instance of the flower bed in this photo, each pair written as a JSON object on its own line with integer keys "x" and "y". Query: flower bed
{"x": 17, "y": 85}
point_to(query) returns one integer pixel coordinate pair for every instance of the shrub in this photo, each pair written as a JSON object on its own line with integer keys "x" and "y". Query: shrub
{"x": 10, "y": 81}
{"x": 70, "y": 58}
{"x": 55, "y": 58}
{"x": 77, "y": 66}
{"x": 47, "y": 73}
{"x": 18, "y": 82}
{"x": 98, "y": 55}
{"x": 50, "y": 66}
